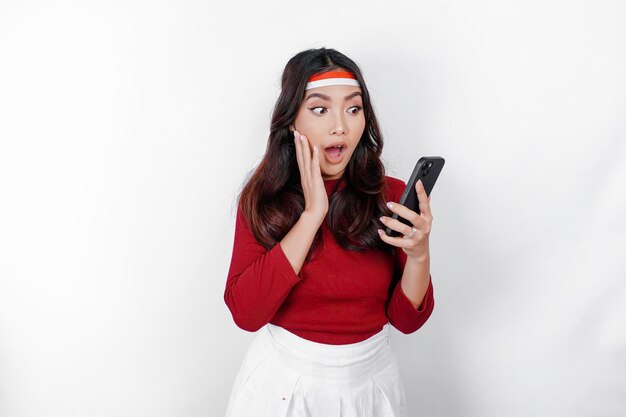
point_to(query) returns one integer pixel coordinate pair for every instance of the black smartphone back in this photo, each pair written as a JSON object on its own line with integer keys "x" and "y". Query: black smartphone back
{"x": 426, "y": 169}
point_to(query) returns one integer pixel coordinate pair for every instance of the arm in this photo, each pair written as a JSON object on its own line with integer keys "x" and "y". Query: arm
{"x": 259, "y": 280}
{"x": 405, "y": 314}
{"x": 411, "y": 299}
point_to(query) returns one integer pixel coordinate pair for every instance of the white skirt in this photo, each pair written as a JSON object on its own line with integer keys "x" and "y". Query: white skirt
{"x": 284, "y": 375}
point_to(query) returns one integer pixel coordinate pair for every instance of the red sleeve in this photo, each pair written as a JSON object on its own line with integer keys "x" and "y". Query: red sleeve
{"x": 401, "y": 312}
{"x": 258, "y": 280}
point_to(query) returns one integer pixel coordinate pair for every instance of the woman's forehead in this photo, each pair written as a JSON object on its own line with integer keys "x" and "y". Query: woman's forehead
{"x": 334, "y": 92}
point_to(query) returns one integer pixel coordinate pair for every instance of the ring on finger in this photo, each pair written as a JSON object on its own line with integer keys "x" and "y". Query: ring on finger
{"x": 413, "y": 231}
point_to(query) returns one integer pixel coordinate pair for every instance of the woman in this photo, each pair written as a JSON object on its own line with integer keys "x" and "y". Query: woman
{"x": 311, "y": 270}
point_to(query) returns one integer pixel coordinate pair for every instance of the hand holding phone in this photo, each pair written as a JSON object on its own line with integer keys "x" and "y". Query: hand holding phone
{"x": 427, "y": 169}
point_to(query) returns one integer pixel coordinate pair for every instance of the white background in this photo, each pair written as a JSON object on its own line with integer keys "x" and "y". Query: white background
{"x": 127, "y": 129}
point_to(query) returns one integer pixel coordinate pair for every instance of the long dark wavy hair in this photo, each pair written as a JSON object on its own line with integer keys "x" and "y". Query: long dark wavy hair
{"x": 272, "y": 199}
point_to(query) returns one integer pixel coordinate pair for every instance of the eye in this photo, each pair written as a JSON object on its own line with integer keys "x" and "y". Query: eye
{"x": 313, "y": 109}
{"x": 319, "y": 107}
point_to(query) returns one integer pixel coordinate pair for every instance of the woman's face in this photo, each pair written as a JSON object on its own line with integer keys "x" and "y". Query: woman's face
{"x": 328, "y": 116}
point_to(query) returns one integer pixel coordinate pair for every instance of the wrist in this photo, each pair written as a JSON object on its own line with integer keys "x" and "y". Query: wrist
{"x": 421, "y": 258}
{"x": 311, "y": 218}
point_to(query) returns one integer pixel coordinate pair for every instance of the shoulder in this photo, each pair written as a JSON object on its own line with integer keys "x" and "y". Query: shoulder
{"x": 395, "y": 187}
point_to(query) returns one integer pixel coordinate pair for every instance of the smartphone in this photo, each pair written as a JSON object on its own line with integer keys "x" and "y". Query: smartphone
{"x": 426, "y": 169}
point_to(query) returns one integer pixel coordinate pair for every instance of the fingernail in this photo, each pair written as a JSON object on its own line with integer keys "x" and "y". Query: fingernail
{"x": 382, "y": 219}
{"x": 389, "y": 205}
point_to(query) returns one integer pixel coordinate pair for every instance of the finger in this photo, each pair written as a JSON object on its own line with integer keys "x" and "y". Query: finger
{"x": 405, "y": 213}
{"x": 299, "y": 156}
{"x": 420, "y": 224}
{"x": 306, "y": 154}
{"x": 316, "y": 162}
{"x": 396, "y": 225}
{"x": 394, "y": 241}
{"x": 423, "y": 199}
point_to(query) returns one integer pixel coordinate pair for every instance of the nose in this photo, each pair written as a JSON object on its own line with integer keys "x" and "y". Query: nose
{"x": 339, "y": 122}
{"x": 338, "y": 131}
{"x": 339, "y": 126}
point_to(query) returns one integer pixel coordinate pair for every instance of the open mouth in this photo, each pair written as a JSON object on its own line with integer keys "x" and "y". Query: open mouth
{"x": 335, "y": 151}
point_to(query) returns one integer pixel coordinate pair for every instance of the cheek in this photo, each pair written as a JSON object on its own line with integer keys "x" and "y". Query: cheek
{"x": 309, "y": 127}
{"x": 360, "y": 123}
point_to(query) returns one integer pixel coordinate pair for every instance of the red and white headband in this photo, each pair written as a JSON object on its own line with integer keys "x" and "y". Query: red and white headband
{"x": 331, "y": 78}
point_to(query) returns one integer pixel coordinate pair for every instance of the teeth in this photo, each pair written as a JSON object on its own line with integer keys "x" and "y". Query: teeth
{"x": 338, "y": 146}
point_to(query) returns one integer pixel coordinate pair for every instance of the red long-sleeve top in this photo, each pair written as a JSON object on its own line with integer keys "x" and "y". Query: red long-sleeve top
{"x": 338, "y": 297}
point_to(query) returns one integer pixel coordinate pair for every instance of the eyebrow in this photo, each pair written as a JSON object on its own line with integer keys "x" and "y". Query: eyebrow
{"x": 327, "y": 98}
